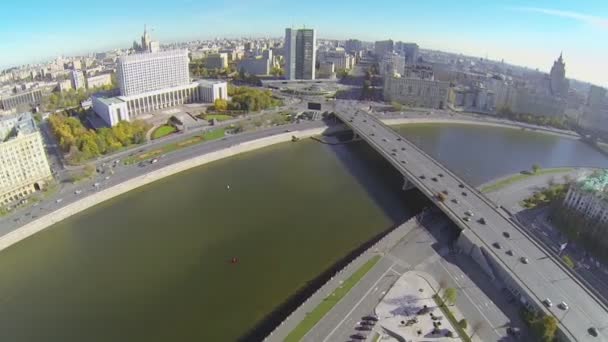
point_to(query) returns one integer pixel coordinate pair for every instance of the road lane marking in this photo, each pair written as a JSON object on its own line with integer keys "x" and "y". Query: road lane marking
{"x": 471, "y": 300}
{"x": 359, "y": 302}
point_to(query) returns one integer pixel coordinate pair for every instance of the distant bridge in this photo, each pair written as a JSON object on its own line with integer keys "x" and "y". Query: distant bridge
{"x": 496, "y": 243}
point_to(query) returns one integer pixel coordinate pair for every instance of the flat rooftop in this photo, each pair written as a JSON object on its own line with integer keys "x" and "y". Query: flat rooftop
{"x": 11, "y": 126}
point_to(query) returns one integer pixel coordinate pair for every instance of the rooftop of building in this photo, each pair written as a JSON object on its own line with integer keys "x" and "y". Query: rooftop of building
{"x": 153, "y": 55}
{"x": 595, "y": 182}
{"x": 11, "y": 126}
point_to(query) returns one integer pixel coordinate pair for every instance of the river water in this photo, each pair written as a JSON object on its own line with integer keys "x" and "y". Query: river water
{"x": 156, "y": 263}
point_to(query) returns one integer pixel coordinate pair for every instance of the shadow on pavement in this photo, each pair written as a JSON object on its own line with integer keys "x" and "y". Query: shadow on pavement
{"x": 493, "y": 290}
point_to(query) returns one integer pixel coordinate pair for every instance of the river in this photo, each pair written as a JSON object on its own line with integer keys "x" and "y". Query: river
{"x": 156, "y": 264}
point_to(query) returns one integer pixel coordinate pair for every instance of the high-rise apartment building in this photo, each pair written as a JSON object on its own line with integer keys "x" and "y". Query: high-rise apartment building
{"x": 77, "y": 78}
{"x": 145, "y": 72}
{"x": 300, "y": 54}
{"x": 23, "y": 165}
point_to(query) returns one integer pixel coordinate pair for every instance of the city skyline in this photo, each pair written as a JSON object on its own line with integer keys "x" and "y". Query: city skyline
{"x": 525, "y": 33}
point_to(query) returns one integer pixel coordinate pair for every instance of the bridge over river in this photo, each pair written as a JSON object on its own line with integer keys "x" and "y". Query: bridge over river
{"x": 500, "y": 246}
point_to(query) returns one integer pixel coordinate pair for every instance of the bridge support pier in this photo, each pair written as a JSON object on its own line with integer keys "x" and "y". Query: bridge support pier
{"x": 407, "y": 185}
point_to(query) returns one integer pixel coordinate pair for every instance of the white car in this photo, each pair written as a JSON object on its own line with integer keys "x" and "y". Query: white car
{"x": 563, "y": 306}
{"x": 469, "y": 213}
{"x": 59, "y": 200}
{"x": 548, "y": 302}
{"x": 78, "y": 192}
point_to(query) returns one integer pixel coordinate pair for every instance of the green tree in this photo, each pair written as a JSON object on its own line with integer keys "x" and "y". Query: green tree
{"x": 535, "y": 168}
{"x": 220, "y": 105}
{"x": 342, "y": 73}
{"x": 277, "y": 71}
{"x": 544, "y": 328}
{"x": 449, "y": 295}
{"x": 568, "y": 261}
{"x": 463, "y": 324}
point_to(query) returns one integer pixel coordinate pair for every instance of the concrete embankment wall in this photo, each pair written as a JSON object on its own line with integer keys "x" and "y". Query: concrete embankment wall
{"x": 284, "y": 328}
{"x": 87, "y": 202}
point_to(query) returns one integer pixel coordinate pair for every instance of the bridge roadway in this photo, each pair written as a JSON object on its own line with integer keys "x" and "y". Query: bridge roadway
{"x": 542, "y": 277}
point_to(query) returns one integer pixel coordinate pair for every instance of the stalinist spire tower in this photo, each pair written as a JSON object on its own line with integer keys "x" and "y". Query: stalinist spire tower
{"x": 145, "y": 40}
{"x": 559, "y": 84}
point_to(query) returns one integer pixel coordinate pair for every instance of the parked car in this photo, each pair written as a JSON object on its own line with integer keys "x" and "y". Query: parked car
{"x": 548, "y": 302}
{"x": 482, "y": 220}
{"x": 524, "y": 260}
{"x": 563, "y": 306}
{"x": 496, "y": 245}
{"x": 469, "y": 213}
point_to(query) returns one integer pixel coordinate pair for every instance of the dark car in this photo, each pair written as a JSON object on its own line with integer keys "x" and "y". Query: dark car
{"x": 363, "y": 328}
{"x": 440, "y": 175}
{"x": 461, "y": 186}
{"x": 506, "y": 234}
{"x": 514, "y": 331}
{"x": 434, "y": 179}
{"x": 358, "y": 336}
{"x": 423, "y": 177}
{"x": 496, "y": 245}
{"x": 482, "y": 220}
{"x": 592, "y": 331}
{"x": 464, "y": 193}
{"x": 370, "y": 318}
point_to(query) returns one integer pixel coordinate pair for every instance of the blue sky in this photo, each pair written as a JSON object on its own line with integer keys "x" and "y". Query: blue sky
{"x": 530, "y": 33}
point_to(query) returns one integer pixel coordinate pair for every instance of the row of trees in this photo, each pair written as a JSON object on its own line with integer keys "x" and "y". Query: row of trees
{"x": 73, "y": 97}
{"x": 556, "y": 122}
{"x": 588, "y": 233}
{"x": 82, "y": 144}
{"x": 551, "y": 194}
{"x": 198, "y": 68}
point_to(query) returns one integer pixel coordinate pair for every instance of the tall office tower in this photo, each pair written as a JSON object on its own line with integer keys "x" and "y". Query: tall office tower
{"x": 408, "y": 50}
{"x": 352, "y": 45}
{"x": 559, "y": 84}
{"x": 146, "y": 72}
{"x": 383, "y": 47}
{"x": 596, "y": 96}
{"x": 300, "y": 54}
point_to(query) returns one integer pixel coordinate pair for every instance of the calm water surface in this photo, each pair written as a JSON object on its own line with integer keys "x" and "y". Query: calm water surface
{"x": 154, "y": 264}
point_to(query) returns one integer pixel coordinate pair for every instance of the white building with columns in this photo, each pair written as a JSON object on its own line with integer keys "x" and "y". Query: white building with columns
{"x": 155, "y": 81}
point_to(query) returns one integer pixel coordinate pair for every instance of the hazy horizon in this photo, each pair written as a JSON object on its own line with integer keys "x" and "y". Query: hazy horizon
{"x": 526, "y": 33}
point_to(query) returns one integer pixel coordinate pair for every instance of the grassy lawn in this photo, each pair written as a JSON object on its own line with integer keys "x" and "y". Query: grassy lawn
{"x": 218, "y": 117}
{"x": 207, "y": 136}
{"x": 519, "y": 177}
{"x": 329, "y": 302}
{"x": 162, "y": 131}
{"x": 450, "y": 316}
